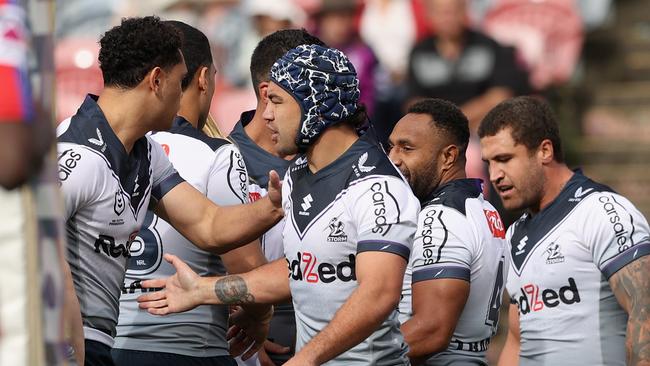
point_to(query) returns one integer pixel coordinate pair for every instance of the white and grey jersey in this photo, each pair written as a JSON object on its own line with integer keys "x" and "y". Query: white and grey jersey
{"x": 259, "y": 163}
{"x": 562, "y": 259}
{"x": 358, "y": 203}
{"x": 215, "y": 168}
{"x": 460, "y": 235}
{"x": 106, "y": 193}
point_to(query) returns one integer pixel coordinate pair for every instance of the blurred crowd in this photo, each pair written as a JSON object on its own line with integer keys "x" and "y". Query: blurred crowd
{"x": 474, "y": 55}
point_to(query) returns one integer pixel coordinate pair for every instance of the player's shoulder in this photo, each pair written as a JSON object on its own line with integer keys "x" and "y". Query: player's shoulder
{"x": 453, "y": 196}
{"x": 364, "y": 161}
{"x": 182, "y": 127}
{"x": 367, "y": 164}
{"x": 78, "y": 164}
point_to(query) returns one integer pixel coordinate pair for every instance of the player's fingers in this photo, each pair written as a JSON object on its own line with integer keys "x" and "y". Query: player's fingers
{"x": 264, "y": 359}
{"x": 275, "y": 348}
{"x": 176, "y": 262}
{"x": 246, "y": 343}
{"x": 239, "y": 344}
{"x": 152, "y": 296}
{"x": 232, "y": 332}
{"x": 274, "y": 180}
{"x": 252, "y": 351}
{"x": 155, "y": 283}
{"x": 153, "y": 304}
{"x": 158, "y": 311}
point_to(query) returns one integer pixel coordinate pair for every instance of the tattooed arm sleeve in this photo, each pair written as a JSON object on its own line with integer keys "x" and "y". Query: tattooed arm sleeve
{"x": 631, "y": 285}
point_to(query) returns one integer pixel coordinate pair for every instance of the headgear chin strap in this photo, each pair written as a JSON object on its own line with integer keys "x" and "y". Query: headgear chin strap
{"x": 323, "y": 82}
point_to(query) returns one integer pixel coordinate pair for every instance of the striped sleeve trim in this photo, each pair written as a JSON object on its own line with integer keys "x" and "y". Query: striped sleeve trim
{"x": 384, "y": 246}
{"x": 630, "y": 255}
{"x": 160, "y": 190}
{"x": 440, "y": 272}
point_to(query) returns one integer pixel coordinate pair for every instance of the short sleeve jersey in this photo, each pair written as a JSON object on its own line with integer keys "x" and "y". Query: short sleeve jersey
{"x": 259, "y": 162}
{"x": 461, "y": 236}
{"x": 215, "y": 168}
{"x": 106, "y": 193}
{"x": 358, "y": 203}
{"x": 562, "y": 259}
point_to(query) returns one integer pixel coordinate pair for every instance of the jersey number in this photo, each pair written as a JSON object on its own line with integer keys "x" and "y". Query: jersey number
{"x": 492, "y": 318}
{"x": 146, "y": 249}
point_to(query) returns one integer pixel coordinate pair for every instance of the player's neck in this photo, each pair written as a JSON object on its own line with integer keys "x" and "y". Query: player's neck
{"x": 452, "y": 174}
{"x": 557, "y": 175}
{"x": 190, "y": 108}
{"x": 330, "y": 145}
{"x": 125, "y": 114}
{"x": 258, "y": 132}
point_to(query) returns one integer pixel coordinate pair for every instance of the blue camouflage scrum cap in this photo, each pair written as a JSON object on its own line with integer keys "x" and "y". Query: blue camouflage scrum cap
{"x": 324, "y": 83}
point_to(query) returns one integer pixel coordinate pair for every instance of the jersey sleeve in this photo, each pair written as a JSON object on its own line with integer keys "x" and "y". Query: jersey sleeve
{"x": 228, "y": 180}
{"x": 443, "y": 246}
{"x": 385, "y": 212}
{"x": 78, "y": 177}
{"x": 615, "y": 231}
{"x": 164, "y": 176}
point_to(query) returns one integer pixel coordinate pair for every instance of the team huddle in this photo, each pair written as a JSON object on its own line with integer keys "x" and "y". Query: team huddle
{"x": 299, "y": 230}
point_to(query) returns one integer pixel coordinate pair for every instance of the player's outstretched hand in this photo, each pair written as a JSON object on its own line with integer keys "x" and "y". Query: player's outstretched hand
{"x": 275, "y": 189}
{"x": 249, "y": 330}
{"x": 178, "y": 293}
{"x": 270, "y": 347}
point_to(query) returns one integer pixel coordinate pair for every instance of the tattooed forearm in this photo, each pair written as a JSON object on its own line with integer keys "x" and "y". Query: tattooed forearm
{"x": 631, "y": 285}
{"x": 233, "y": 290}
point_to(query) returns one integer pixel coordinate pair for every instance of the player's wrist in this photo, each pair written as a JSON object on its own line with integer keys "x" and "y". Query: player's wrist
{"x": 204, "y": 293}
{"x": 276, "y": 212}
{"x": 261, "y": 313}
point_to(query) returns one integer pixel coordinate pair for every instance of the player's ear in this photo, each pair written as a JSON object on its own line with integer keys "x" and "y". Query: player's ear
{"x": 450, "y": 155}
{"x": 545, "y": 151}
{"x": 263, "y": 89}
{"x": 204, "y": 74}
{"x": 153, "y": 79}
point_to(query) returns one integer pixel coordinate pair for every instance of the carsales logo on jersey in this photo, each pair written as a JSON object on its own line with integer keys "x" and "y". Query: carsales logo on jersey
{"x": 307, "y": 268}
{"x": 535, "y": 299}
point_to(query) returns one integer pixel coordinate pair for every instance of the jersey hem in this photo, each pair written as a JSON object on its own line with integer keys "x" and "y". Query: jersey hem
{"x": 441, "y": 272}
{"x": 160, "y": 190}
{"x": 630, "y": 255}
{"x": 384, "y": 246}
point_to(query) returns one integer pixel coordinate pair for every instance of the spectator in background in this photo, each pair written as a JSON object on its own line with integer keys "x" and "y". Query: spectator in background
{"x": 265, "y": 17}
{"x": 335, "y": 23}
{"x": 463, "y": 66}
{"x": 460, "y": 64}
{"x": 389, "y": 28}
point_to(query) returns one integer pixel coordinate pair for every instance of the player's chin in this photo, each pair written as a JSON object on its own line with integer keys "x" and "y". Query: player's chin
{"x": 512, "y": 203}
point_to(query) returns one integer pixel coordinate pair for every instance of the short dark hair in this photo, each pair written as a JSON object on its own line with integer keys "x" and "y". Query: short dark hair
{"x": 274, "y": 46}
{"x": 195, "y": 48}
{"x": 531, "y": 121}
{"x": 446, "y": 117}
{"x": 133, "y": 48}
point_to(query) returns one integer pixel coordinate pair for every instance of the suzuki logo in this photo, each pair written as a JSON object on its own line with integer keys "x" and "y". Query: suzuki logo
{"x": 306, "y": 202}
{"x": 522, "y": 245}
{"x": 306, "y": 205}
